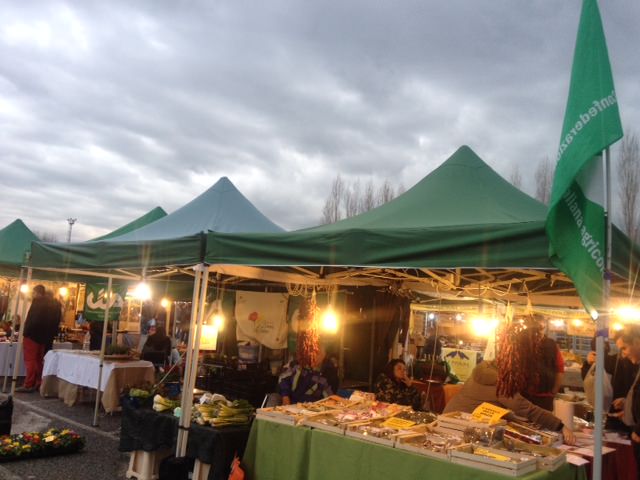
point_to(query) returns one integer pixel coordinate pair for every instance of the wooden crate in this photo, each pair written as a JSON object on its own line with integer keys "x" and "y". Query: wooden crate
{"x": 412, "y": 443}
{"x": 521, "y": 465}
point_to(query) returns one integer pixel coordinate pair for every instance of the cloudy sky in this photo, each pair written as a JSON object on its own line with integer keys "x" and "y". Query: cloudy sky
{"x": 108, "y": 109}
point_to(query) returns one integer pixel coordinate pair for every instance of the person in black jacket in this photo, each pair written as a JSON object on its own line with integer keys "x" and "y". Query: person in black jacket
{"x": 157, "y": 348}
{"x": 40, "y": 328}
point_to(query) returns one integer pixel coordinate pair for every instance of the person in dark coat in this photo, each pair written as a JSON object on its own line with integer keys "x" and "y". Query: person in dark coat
{"x": 158, "y": 345}
{"x": 40, "y": 328}
{"x": 394, "y": 386}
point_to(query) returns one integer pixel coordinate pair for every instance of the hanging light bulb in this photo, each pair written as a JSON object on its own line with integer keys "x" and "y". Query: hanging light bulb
{"x": 218, "y": 321}
{"x": 164, "y": 303}
{"x": 330, "y": 322}
{"x": 142, "y": 291}
{"x": 63, "y": 292}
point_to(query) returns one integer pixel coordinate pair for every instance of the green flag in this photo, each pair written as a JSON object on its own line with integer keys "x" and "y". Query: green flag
{"x": 576, "y": 220}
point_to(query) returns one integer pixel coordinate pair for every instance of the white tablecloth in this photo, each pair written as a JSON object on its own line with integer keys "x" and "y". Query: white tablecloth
{"x": 8, "y": 357}
{"x": 83, "y": 369}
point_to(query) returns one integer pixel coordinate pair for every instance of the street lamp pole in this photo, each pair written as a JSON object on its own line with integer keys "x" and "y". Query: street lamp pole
{"x": 71, "y": 222}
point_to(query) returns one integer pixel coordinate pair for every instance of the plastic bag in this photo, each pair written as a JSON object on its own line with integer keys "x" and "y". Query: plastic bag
{"x": 590, "y": 388}
{"x": 237, "y": 473}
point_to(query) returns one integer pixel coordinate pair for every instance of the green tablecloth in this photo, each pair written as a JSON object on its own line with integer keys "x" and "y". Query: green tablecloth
{"x": 284, "y": 452}
{"x": 277, "y": 452}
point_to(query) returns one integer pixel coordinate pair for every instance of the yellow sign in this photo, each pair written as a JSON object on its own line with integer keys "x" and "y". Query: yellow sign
{"x": 398, "y": 423}
{"x": 487, "y": 412}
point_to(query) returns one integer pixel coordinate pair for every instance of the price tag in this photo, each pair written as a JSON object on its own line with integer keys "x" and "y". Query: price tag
{"x": 488, "y": 412}
{"x": 398, "y": 423}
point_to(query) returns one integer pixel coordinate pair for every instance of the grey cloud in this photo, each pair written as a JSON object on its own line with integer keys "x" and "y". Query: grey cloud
{"x": 131, "y": 105}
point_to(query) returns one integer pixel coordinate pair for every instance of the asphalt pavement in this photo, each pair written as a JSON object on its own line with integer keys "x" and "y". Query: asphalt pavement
{"x": 100, "y": 459}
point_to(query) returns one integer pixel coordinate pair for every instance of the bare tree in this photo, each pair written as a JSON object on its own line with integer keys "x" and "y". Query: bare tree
{"x": 400, "y": 190}
{"x": 385, "y": 194}
{"x": 629, "y": 177}
{"x": 331, "y": 212}
{"x": 544, "y": 180}
{"x": 516, "y": 177}
{"x": 348, "y": 200}
{"x": 352, "y": 200}
{"x": 46, "y": 236}
{"x": 368, "y": 197}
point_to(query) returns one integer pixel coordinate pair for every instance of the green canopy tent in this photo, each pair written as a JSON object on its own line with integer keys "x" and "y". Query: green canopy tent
{"x": 461, "y": 216}
{"x": 174, "y": 240}
{"x": 163, "y": 249}
{"x": 151, "y": 216}
{"x": 15, "y": 243}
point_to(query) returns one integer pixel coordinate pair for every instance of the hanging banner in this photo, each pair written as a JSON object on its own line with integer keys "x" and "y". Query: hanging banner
{"x": 462, "y": 362}
{"x": 262, "y": 318}
{"x": 96, "y": 302}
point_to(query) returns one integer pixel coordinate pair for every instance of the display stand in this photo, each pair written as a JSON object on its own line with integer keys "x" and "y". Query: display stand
{"x": 200, "y": 470}
{"x": 146, "y": 465}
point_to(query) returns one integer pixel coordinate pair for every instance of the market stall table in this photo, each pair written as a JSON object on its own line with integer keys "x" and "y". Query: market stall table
{"x": 66, "y": 371}
{"x": 8, "y": 358}
{"x": 276, "y": 451}
{"x": 145, "y": 430}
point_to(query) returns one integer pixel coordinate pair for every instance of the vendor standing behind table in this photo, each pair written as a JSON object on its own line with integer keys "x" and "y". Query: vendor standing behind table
{"x": 395, "y": 386}
{"x": 157, "y": 348}
{"x": 549, "y": 374}
{"x": 304, "y": 382}
{"x": 482, "y": 387}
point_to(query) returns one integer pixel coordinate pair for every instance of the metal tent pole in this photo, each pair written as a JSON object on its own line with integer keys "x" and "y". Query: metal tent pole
{"x": 23, "y": 322}
{"x": 187, "y": 391}
{"x": 103, "y": 345}
{"x": 16, "y": 303}
{"x": 602, "y": 326}
{"x": 195, "y": 302}
{"x": 12, "y": 317}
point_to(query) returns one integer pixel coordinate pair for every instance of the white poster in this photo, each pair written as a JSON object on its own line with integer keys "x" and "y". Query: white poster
{"x": 262, "y": 318}
{"x": 462, "y": 362}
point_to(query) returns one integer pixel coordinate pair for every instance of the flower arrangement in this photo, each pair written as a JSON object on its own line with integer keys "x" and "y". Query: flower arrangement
{"x": 39, "y": 444}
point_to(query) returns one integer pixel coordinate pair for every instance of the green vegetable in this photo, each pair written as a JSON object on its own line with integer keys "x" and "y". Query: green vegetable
{"x": 161, "y": 404}
{"x": 139, "y": 393}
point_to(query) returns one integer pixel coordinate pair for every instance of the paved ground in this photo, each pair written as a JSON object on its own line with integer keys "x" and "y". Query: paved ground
{"x": 100, "y": 460}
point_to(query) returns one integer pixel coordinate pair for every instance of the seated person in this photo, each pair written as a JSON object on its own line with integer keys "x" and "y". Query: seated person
{"x": 329, "y": 370}
{"x": 304, "y": 383}
{"x": 436, "y": 372}
{"x": 481, "y": 387}
{"x": 394, "y": 386}
{"x": 157, "y": 346}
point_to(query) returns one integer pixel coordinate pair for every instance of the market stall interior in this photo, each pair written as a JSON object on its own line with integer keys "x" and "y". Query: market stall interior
{"x": 483, "y": 248}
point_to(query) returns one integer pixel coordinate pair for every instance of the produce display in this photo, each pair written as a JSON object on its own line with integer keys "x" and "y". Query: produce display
{"x": 459, "y": 437}
{"x": 222, "y": 412}
{"x": 116, "y": 349}
{"x": 162, "y": 404}
{"x": 430, "y": 443}
{"x": 528, "y": 434}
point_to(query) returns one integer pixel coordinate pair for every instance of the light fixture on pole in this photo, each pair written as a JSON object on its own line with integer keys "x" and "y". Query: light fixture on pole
{"x": 71, "y": 221}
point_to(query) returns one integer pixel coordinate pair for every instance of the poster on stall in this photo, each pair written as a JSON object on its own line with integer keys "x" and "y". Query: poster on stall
{"x": 462, "y": 362}
{"x": 96, "y": 302}
{"x": 262, "y": 318}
